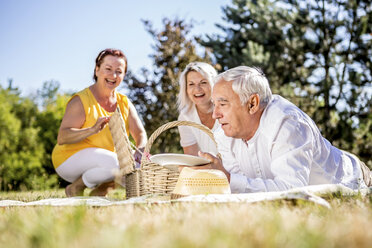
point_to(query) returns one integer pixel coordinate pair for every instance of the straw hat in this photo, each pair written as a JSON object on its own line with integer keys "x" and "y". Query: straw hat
{"x": 197, "y": 182}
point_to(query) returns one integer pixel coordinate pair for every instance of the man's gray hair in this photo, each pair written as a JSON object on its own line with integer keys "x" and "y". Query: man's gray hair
{"x": 247, "y": 81}
{"x": 206, "y": 70}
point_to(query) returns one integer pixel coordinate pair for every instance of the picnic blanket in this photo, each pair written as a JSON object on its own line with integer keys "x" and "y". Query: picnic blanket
{"x": 315, "y": 193}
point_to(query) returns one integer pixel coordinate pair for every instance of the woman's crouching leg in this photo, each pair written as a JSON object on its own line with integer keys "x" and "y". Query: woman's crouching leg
{"x": 90, "y": 168}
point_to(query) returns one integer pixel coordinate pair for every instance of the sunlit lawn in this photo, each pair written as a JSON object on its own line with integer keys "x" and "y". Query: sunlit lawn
{"x": 269, "y": 224}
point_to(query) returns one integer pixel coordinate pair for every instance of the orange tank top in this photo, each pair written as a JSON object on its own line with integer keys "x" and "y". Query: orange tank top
{"x": 93, "y": 111}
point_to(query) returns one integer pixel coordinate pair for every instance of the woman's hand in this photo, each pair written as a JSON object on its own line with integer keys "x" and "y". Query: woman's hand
{"x": 138, "y": 154}
{"x": 100, "y": 124}
{"x": 70, "y": 131}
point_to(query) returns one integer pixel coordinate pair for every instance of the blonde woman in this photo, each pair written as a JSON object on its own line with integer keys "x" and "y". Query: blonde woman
{"x": 194, "y": 104}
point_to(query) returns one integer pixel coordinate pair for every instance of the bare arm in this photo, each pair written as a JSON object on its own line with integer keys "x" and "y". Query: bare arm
{"x": 70, "y": 130}
{"x": 136, "y": 128}
{"x": 191, "y": 150}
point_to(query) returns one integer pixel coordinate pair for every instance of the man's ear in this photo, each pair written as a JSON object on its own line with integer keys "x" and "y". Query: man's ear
{"x": 253, "y": 103}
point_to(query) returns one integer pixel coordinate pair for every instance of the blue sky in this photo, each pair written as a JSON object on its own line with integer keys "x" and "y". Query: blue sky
{"x": 42, "y": 40}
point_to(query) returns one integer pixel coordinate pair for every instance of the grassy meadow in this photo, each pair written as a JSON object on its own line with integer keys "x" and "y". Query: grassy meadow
{"x": 267, "y": 224}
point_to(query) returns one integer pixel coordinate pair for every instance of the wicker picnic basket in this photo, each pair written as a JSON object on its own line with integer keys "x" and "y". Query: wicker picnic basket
{"x": 150, "y": 178}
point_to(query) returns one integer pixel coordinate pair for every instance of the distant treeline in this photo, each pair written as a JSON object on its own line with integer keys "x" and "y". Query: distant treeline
{"x": 28, "y": 132}
{"x": 318, "y": 54}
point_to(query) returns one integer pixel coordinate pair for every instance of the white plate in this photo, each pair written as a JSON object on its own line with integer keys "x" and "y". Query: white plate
{"x": 173, "y": 160}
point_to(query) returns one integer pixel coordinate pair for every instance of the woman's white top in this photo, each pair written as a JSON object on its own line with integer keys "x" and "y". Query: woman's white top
{"x": 286, "y": 151}
{"x": 193, "y": 135}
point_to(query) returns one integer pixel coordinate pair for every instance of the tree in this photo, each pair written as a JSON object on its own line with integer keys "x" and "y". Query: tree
{"x": 21, "y": 150}
{"x": 48, "y": 93}
{"x": 155, "y": 92}
{"x": 317, "y": 53}
{"x": 48, "y": 121}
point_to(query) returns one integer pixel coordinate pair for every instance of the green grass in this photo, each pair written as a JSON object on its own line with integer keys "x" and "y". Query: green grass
{"x": 266, "y": 224}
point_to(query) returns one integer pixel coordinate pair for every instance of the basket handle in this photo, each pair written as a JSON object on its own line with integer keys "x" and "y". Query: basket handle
{"x": 170, "y": 125}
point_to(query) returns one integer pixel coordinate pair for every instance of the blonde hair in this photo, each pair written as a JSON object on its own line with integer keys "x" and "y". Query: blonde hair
{"x": 206, "y": 70}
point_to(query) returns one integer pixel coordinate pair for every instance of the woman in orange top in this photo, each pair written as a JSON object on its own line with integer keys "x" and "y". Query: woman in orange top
{"x": 84, "y": 155}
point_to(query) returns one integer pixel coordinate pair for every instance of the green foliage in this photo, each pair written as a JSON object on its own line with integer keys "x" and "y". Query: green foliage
{"x": 48, "y": 93}
{"x": 21, "y": 151}
{"x": 27, "y": 137}
{"x": 316, "y": 53}
{"x": 49, "y": 120}
{"x": 155, "y": 92}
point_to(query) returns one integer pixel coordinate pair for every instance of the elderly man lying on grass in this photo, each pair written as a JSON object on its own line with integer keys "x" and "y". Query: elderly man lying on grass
{"x": 268, "y": 144}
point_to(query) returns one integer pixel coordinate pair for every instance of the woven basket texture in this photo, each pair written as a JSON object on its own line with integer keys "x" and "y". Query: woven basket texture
{"x": 151, "y": 178}
{"x": 121, "y": 144}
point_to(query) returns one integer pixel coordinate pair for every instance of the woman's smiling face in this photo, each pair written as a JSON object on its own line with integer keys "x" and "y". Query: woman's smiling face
{"x": 111, "y": 72}
{"x": 198, "y": 88}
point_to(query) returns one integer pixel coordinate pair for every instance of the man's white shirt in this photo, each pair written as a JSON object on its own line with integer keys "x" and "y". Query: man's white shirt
{"x": 286, "y": 151}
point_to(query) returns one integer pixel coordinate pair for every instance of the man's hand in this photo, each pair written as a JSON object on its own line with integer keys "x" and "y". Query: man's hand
{"x": 215, "y": 163}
